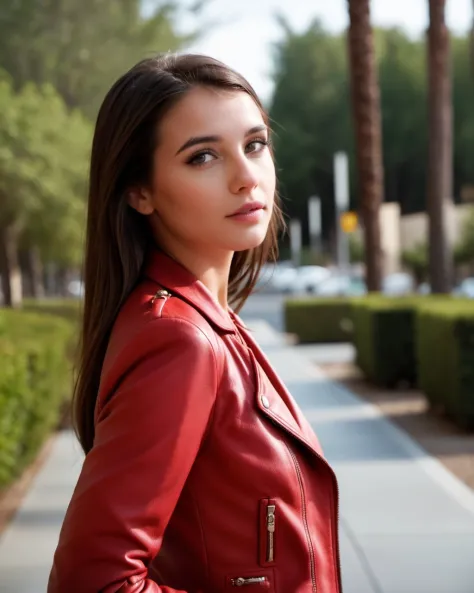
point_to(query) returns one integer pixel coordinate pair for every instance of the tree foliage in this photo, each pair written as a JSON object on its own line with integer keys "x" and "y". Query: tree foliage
{"x": 57, "y": 60}
{"x": 82, "y": 47}
{"x": 310, "y": 112}
{"x": 44, "y": 152}
{"x": 311, "y": 117}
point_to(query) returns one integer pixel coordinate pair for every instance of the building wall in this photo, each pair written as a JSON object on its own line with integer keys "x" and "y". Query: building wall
{"x": 414, "y": 227}
{"x": 404, "y": 232}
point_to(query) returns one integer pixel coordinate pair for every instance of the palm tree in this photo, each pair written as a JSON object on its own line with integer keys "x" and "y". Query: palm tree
{"x": 367, "y": 125}
{"x": 440, "y": 149}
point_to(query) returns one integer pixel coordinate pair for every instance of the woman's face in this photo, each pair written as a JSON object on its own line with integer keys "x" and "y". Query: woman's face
{"x": 212, "y": 160}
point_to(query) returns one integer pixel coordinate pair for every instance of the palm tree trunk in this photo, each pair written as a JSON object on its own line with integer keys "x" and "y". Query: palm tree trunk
{"x": 440, "y": 149}
{"x": 367, "y": 125}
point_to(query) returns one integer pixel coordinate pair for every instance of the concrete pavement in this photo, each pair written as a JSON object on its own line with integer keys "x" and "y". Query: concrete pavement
{"x": 407, "y": 525}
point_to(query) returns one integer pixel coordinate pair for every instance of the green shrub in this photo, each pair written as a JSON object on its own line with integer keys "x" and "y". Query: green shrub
{"x": 384, "y": 339}
{"x": 321, "y": 320}
{"x": 35, "y": 381}
{"x": 69, "y": 309}
{"x": 445, "y": 349}
{"x": 384, "y": 336}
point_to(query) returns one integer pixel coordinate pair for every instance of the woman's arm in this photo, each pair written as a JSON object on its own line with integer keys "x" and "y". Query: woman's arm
{"x": 147, "y": 437}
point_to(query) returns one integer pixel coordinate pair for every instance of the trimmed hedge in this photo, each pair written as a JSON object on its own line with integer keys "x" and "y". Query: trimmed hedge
{"x": 69, "y": 309}
{"x": 321, "y": 320}
{"x": 384, "y": 339}
{"x": 385, "y": 336}
{"x": 423, "y": 340}
{"x": 445, "y": 349}
{"x": 35, "y": 381}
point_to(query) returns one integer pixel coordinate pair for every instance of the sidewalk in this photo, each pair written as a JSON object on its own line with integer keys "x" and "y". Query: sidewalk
{"x": 407, "y": 525}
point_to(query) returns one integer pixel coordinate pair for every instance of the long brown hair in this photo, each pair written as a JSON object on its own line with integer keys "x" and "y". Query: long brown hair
{"x": 117, "y": 236}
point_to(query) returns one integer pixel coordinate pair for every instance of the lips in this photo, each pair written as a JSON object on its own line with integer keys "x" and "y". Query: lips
{"x": 247, "y": 208}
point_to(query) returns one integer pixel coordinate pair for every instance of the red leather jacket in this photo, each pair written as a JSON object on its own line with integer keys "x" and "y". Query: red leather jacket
{"x": 204, "y": 476}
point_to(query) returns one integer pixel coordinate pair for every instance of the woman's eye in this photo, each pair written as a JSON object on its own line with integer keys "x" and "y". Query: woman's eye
{"x": 201, "y": 159}
{"x": 256, "y": 145}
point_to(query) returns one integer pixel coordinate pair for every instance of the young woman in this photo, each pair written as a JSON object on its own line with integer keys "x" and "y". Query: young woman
{"x": 201, "y": 474}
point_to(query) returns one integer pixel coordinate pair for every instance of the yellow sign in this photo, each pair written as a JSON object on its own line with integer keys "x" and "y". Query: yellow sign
{"x": 349, "y": 222}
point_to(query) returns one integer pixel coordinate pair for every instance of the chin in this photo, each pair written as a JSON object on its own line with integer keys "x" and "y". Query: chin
{"x": 250, "y": 239}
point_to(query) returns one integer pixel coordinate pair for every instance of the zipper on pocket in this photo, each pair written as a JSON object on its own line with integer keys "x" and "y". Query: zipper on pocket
{"x": 242, "y": 582}
{"x": 271, "y": 532}
{"x": 267, "y": 532}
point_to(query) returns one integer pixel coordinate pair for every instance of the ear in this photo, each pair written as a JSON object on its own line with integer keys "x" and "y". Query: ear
{"x": 140, "y": 200}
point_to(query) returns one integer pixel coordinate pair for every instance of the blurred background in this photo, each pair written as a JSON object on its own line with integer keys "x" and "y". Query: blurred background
{"x": 372, "y": 108}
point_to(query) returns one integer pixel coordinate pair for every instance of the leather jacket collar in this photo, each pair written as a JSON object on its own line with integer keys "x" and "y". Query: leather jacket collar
{"x": 175, "y": 278}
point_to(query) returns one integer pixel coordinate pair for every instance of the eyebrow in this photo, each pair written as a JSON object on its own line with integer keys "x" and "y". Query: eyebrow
{"x": 206, "y": 139}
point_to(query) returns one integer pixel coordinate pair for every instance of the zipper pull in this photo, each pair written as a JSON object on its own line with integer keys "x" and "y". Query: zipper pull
{"x": 160, "y": 294}
{"x": 241, "y": 582}
{"x": 270, "y": 531}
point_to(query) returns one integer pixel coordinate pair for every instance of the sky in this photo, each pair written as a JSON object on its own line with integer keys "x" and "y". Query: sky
{"x": 247, "y": 29}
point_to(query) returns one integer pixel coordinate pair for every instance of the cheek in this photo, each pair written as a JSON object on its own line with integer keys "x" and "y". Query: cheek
{"x": 181, "y": 200}
{"x": 269, "y": 179}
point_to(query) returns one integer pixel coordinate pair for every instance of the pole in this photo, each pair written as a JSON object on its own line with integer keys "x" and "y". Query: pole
{"x": 295, "y": 241}
{"x": 314, "y": 219}
{"x": 341, "y": 180}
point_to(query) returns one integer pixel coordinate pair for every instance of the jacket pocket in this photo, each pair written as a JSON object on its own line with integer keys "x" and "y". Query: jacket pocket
{"x": 268, "y": 522}
{"x": 251, "y": 581}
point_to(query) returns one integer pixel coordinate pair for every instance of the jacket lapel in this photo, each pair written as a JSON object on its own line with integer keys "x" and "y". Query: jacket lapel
{"x": 274, "y": 400}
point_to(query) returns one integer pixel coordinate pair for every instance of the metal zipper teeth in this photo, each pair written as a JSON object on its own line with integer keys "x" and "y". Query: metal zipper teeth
{"x": 305, "y": 518}
{"x": 336, "y": 525}
{"x": 336, "y": 487}
{"x": 271, "y": 509}
{"x": 242, "y": 581}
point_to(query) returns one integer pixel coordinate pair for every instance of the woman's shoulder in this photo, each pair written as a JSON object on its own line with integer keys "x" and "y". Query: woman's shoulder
{"x": 150, "y": 302}
{"x": 154, "y": 335}
{"x": 152, "y": 318}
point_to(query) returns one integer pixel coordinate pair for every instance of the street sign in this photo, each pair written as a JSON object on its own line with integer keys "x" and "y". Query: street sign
{"x": 349, "y": 222}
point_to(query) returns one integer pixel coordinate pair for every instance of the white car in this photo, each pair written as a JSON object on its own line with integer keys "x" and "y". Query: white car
{"x": 308, "y": 278}
{"x": 398, "y": 284}
{"x": 76, "y": 288}
{"x": 276, "y": 277}
{"x": 284, "y": 278}
{"x": 465, "y": 289}
{"x": 341, "y": 285}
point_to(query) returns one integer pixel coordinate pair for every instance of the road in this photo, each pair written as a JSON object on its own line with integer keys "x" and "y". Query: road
{"x": 267, "y": 307}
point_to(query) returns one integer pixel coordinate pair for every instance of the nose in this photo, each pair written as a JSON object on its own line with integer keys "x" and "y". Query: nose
{"x": 242, "y": 176}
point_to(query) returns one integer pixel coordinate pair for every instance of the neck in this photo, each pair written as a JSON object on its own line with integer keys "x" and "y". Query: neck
{"x": 213, "y": 271}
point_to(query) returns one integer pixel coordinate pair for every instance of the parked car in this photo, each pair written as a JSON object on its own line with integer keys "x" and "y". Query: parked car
{"x": 308, "y": 278}
{"x": 341, "y": 285}
{"x": 398, "y": 284}
{"x": 276, "y": 277}
{"x": 284, "y": 278}
{"x": 465, "y": 289}
{"x": 76, "y": 288}
{"x": 424, "y": 288}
